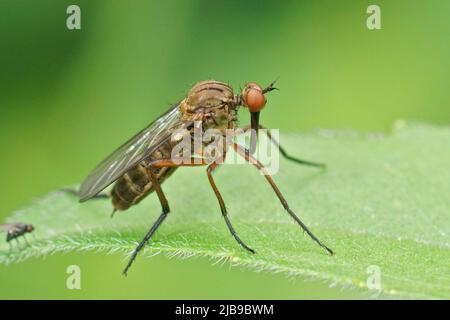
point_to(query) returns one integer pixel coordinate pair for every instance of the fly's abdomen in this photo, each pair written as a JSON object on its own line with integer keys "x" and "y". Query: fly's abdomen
{"x": 130, "y": 187}
{"x": 135, "y": 184}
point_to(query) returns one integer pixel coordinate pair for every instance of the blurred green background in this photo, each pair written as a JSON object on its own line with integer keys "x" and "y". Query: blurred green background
{"x": 68, "y": 98}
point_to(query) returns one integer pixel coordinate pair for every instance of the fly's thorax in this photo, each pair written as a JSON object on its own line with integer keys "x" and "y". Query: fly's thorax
{"x": 212, "y": 108}
{"x": 221, "y": 119}
{"x": 16, "y": 231}
{"x": 211, "y": 102}
{"x": 206, "y": 95}
{"x": 210, "y": 93}
{"x": 215, "y": 132}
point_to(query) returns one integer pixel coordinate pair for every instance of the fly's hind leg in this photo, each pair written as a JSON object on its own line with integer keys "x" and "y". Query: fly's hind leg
{"x": 223, "y": 208}
{"x": 165, "y": 211}
{"x": 162, "y": 199}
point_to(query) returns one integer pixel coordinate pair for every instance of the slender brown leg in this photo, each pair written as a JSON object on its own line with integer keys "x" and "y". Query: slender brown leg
{"x": 283, "y": 151}
{"x": 223, "y": 208}
{"x": 162, "y": 199}
{"x": 26, "y": 241}
{"x": 165, "y": 211}
{"x": 249, "y": 158}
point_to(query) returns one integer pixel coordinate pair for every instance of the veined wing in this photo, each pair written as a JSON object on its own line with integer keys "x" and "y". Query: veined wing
{"x": 4, "y": 226}
{"x": 130, "y": 153}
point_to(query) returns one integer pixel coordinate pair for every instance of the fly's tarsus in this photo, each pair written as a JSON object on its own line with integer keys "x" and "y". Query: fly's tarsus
{"x": 289, "y": 157}
{"x": 250, "y": 159}
{"x": 300, "y": 161}
{"x": 165, "y": 211}
{"x": 144, "y": 241}
{"x": 283, "y": 151}
{"x": 223, "y": 208}
{"x": 236, "y": 237}
{"x": 305, "y": 229}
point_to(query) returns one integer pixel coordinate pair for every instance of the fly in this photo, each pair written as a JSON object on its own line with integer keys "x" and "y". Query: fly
{"x": 144, "y": 162}
{"x": 16, "y": 230}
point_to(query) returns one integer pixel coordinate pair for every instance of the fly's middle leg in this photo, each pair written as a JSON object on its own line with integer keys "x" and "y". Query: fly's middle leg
{"x": 223, "y": 208}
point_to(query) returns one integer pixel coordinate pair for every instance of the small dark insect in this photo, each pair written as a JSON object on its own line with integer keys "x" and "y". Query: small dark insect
{"x": 142, "y": 164}
{"x": 16, "y": 230}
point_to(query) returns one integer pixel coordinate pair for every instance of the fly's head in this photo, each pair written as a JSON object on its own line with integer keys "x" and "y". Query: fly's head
{"x": 29, "y": 228}
{"x": 253, "y": 98}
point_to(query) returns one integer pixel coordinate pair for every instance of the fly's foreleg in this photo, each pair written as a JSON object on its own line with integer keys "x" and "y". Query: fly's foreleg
{"x": 283, "y": 151}
{"x": 162, "y": 199}
{"x": 249, "y": 158}
{"x": 223, "y": 208}
{"x": 25, "y": 239}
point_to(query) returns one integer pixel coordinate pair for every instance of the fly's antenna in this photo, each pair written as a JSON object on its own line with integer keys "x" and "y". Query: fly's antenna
{"x": 271, "y": 87}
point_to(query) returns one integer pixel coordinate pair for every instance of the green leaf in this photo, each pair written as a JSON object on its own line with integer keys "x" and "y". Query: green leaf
{"x": 382, "y": 204}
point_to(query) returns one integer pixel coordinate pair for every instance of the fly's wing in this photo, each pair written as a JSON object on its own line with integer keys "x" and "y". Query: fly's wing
{"x": 17, "y": 227}
{"x": 130, "y": 153}
{"x": 4, "y": 227}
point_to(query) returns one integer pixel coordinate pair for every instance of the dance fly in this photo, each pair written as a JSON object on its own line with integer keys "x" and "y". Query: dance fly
{"x": 144, "y": 162}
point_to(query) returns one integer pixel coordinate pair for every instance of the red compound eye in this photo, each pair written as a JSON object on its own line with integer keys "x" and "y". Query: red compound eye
{"x": 254, "y": 97}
